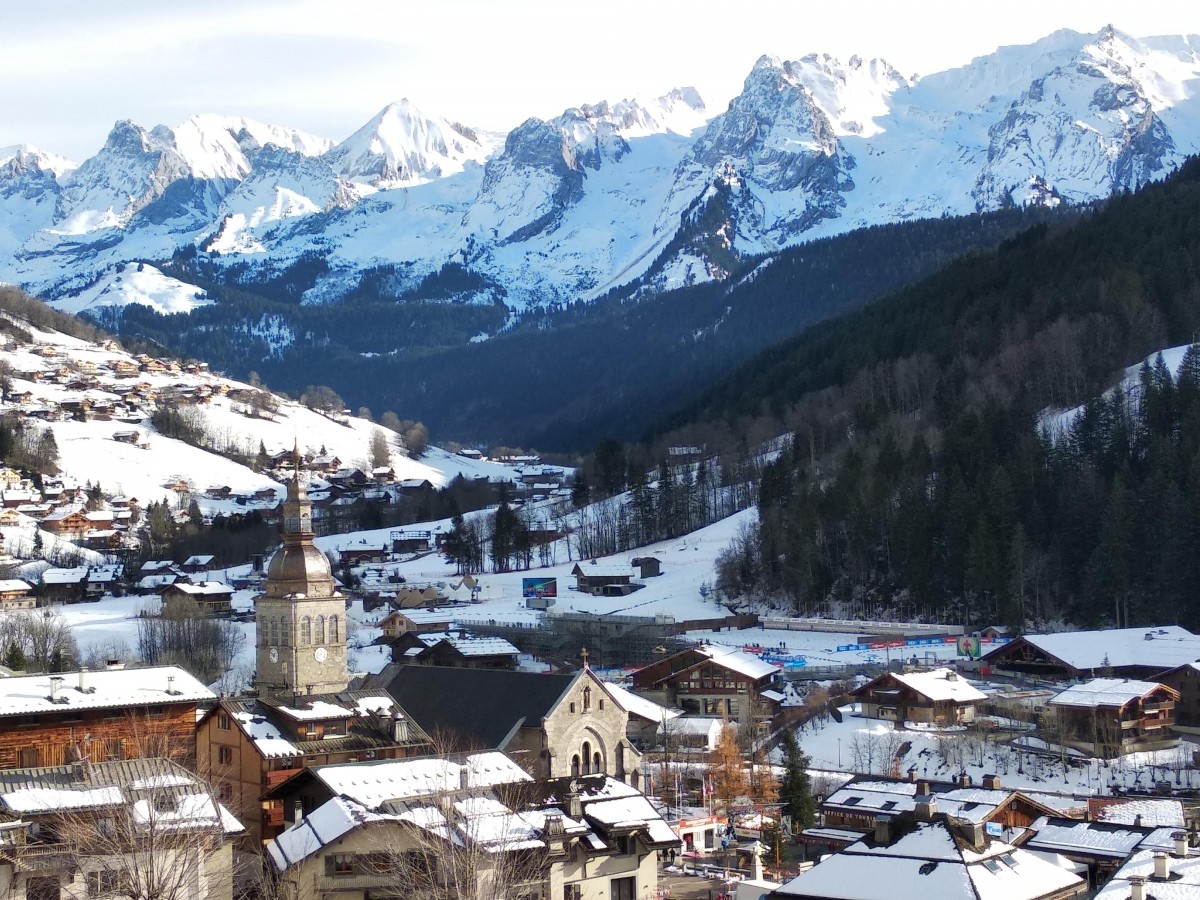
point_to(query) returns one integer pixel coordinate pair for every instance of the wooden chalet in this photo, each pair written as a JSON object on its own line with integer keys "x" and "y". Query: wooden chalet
{"x": 939, "y": 697}
{"x": 251, "y": 745}
{"x": 51, "y": 720}
{"x": 710, "y": 681}
{"x": 1110, "y": 717}
{"x": 1126, "y": 652}
{"x": 604, "y": 581}
{"x": 16, "y": 594}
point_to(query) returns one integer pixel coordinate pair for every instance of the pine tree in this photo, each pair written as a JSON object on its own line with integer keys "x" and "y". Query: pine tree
{"x": 796, "y": 791}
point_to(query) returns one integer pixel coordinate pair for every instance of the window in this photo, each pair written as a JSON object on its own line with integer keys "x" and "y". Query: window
{"x": 575, "y": 766}
{"x": 29, "y": 757}
{"x": 333, "y": 629}
{"x": 587, "y": 758}
{"x": 225, "y": 756}
{"x": 154, "y": 745}
{"x": 572, "y": 706}
{"x": 572, "y": 892}
{"x": 587, "y": 699}
{"x": 274, "y": 632}
{"x": 623, "y": 888}
{"x": 341, "y": 864}
{"x": 306, "y": 630}
{"x": 320, "y": 629}
{"x": 602, "y": 704}
{"x": 223, "y": 722}
{"x": 597, "y": 768}
{"x": 43, "y": 887}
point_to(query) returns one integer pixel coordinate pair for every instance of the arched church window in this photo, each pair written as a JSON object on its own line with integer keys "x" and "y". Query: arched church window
{"x": 320, "y": 635}
{"x": 274, "y": 631}
{"x": 587, "y": 699}
{"x": 597, "y": 768}
{"x": 306, "y": 630}
{"x": 587, "y": 758}
{"x": 575, "y": 766}
{"x": 333, "y": 629}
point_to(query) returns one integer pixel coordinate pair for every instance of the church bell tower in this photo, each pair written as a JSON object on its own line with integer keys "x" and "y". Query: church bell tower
{"x": 300, "y": 620}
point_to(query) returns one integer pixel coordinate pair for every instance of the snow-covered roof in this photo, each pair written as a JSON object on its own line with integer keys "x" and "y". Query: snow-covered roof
{"x": 629, "y": 812}
{"x": 1145, "y": 811}
{"x": 203, "y": 588}
{"x": 941, "y": 684}
{"x": 738, "y": 661}
{"x": 1105, "y": 692}
{"x": 1105, "y": 839}
{"x": 1163, "y": 647}
{"x": 1183, "y": 880}
{"x": 266, "y": 737}
{"x": 22, "y": 695}
{"x": 324, "y": 825}
{"x": 928, "y": 862}
{"x": 7, "y": 585}
{"x": 373, "y": 783}
{"x": 472, "y": 646}
{"x": 637, "y": 705}
{"x": 315, "y": 711}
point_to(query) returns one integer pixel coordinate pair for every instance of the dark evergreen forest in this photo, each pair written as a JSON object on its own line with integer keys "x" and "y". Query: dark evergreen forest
{"x": 922, "y": 479}
{"x": 560, "y": 378}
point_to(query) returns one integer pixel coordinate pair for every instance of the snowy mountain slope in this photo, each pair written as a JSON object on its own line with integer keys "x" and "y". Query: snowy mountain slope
{"x": 89, "y": 453}
{"x": 401, "y": 145}
{"x": 566, "y": 208}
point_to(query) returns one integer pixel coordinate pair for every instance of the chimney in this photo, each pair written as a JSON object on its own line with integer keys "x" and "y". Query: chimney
{"x": 925, "y": 808}
{"x": 1137, "y": 887}
{"x": 923, "y": 787}
{"x": 55, "y": 686}
{"x": 297, "y": 811}
{"x": 1181, "y": 843}
{"x": 114, "y": 665}
{"x": 400, "y": 729}
{"x": 171, "y": 686}
{"x": 991, "y": 782}
{"x": 573, "y": 804}
{"x": 964, "y": 780}
{"x": 1162, "y": 867}
{"x": 464, "y": 777}
{"x": 912, "y": 774}
{"x": 1137, "y": 821}
{"x": 83, "y": 680}
{"x": 883, "y": 831}
{"x": 555, "y": 835}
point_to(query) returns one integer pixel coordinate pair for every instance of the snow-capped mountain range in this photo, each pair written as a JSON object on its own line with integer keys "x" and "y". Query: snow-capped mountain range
{"x": 605, "y": 194}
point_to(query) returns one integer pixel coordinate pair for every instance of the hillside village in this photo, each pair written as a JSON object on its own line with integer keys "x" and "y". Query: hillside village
{"x": 600, "y": 727}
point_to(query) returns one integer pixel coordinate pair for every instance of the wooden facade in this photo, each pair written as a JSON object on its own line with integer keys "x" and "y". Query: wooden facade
{"x": 242, "y": 766}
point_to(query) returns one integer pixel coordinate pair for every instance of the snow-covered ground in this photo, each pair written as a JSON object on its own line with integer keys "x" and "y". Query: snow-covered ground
{"x": 88, "y": 452}
{"x": 869, "y": 746}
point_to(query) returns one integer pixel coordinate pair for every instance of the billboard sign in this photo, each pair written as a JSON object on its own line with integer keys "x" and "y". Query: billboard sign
{"x": 968, "y": 646}
{"x": 533, "y": 588}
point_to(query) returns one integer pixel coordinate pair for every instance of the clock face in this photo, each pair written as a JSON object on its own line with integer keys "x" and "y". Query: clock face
{"x": 320, "y": 653}
{"x": 274, "y": 654}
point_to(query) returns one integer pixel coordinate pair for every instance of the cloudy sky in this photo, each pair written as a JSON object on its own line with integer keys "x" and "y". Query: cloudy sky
{"x": 73, "y": 67}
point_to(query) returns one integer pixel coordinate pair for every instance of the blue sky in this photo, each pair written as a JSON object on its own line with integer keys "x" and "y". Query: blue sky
{"x": 73, "y": 67}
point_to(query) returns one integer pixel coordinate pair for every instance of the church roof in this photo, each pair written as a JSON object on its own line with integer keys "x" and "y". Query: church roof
{"x": 480, "y": 706}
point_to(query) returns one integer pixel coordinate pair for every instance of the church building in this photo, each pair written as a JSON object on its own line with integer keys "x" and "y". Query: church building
{"x": 301, "y": 617}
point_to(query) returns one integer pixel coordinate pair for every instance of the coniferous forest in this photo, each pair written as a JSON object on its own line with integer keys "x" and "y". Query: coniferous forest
{"x": 932, "y": 470}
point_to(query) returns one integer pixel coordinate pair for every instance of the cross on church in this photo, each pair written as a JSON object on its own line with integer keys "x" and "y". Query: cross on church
{"x": 583, "y": 654}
